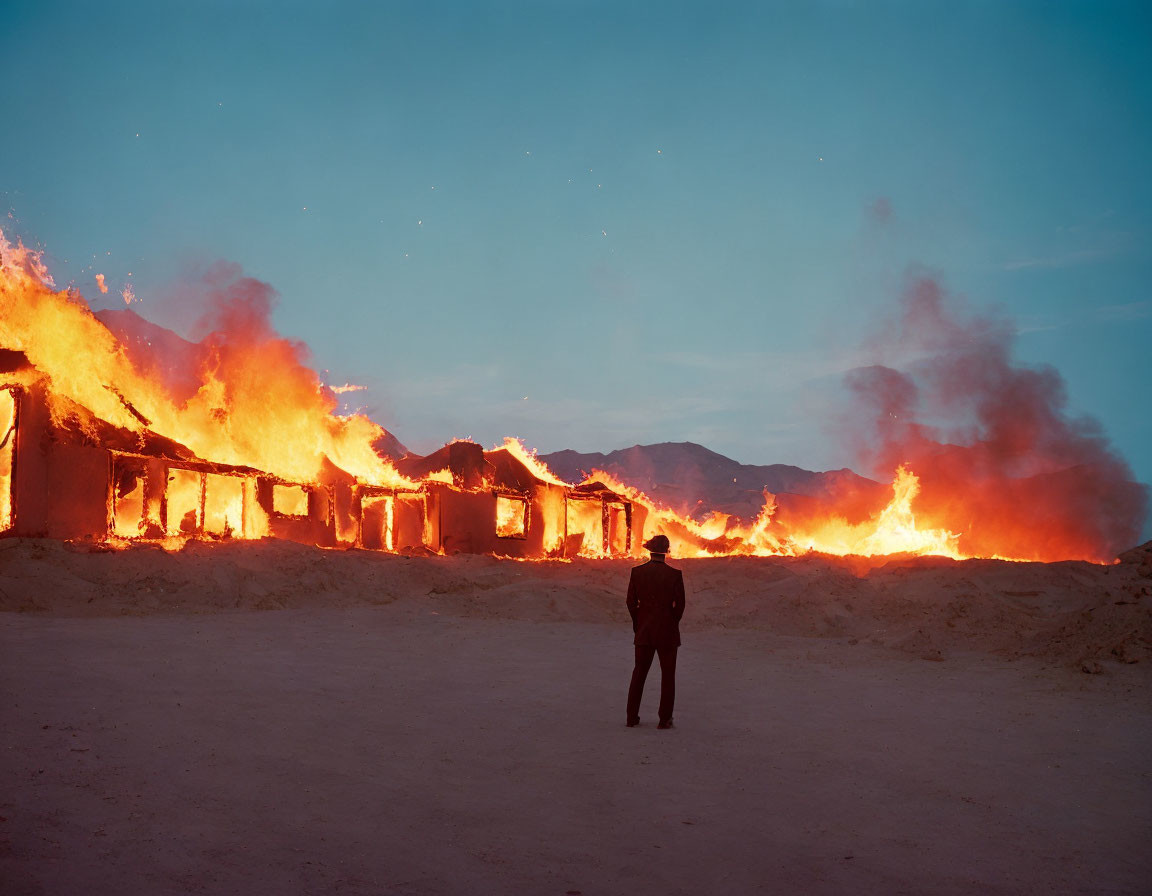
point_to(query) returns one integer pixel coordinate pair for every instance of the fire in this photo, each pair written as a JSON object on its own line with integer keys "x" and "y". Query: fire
{"x": 589, "y": 533}
{"x": 7, "y": 453}
{"x": 511, "y": 517}
{"x": 893, "y": 531}
{"x": 539, "y": 469}
{"x": 684, "y": 534}
{"x": 256, "y": 403}
{"x": 252, "y": 445}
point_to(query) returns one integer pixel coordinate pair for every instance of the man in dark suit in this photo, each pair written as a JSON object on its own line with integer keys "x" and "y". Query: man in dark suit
{"x": 655, "y": 603}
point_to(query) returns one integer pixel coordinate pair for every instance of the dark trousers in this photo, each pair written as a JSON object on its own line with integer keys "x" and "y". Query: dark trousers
{"x": 644, "y": 654}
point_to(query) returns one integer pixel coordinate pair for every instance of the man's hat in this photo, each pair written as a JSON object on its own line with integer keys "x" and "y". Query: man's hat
{"x": 658, "y": 544}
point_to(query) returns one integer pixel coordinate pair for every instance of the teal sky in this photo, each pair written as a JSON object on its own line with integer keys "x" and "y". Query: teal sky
{"x": 597, "y": 224}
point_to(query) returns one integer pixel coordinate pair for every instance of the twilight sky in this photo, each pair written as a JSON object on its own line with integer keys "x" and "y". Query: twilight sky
{"x": 596, "y": 224}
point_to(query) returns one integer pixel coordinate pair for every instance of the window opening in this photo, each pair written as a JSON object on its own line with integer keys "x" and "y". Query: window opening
{"x": 7, "y": 457}
{"x": 130, "y": 480}
{"x": 585, "y": 521}
{"x": 184, "y": 501}
{"x": 290, "y": 500}
{"x": 223, "y": 504}
{"x": 511, "y": 517}
{"x": 617, "y": 528}
{"x": 377, "y": 521}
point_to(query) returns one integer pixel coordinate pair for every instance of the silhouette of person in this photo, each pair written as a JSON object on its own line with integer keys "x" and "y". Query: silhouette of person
{"x": 656, "y": 604}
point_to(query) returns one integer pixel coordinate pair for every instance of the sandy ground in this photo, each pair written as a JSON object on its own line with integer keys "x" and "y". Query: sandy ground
{"x": 455, "y": 725}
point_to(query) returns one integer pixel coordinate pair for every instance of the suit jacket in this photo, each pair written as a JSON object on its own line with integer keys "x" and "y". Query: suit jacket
{"x": 656, "y": 603}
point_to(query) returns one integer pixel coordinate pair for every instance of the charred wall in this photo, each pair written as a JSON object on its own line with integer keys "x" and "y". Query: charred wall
{"x": 389, "y": 519}
{"x": 311, "y": 523}
{"x": 58, "y": 489}
{"x": 466, "y": 521}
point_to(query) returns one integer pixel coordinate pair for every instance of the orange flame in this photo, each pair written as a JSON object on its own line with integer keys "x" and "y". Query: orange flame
{"x": 537, "y": 467}
{"x": 892, "y": 531}
{"x": 256, "y": 404}
{"x": 511, "y": 516}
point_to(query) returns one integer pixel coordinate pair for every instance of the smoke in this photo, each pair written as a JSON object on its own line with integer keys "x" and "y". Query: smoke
{"x": 880, "y": 211}
{"x": 235, "y": 306}
{"x": 1001, "y": 460}
{"x": 233, "y": 340}
{"x": 247, "y": 392}
{"x": 246, "y": 353}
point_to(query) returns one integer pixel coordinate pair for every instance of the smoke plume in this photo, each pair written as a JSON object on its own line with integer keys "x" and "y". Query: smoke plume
{"x": 1001, "y": 461}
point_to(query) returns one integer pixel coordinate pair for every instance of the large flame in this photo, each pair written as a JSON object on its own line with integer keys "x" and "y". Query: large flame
{"x": 891, "y": 531}
{"x": 256, "y": 403}
{"x": 245, "y": 397}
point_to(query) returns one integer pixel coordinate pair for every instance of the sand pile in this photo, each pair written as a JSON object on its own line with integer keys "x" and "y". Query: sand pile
{"x": 1070, "y": 612}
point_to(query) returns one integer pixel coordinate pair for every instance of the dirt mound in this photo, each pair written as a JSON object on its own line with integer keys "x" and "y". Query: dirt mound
{"x": 1072, "y": 612}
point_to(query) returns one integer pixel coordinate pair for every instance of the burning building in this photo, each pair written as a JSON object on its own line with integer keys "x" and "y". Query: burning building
{"x": 113, "y": 428}
{"x": 536, "y": 514}
{"x": 104, "y": 435}
{"x": 66, "y": 473}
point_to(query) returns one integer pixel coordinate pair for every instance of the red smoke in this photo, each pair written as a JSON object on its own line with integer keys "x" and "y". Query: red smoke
{"x": 1000, "y": 460}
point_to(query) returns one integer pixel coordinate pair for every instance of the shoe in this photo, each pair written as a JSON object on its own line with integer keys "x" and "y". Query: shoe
{"x": 664, "y": 726}
{"x": 632, "y": 723}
